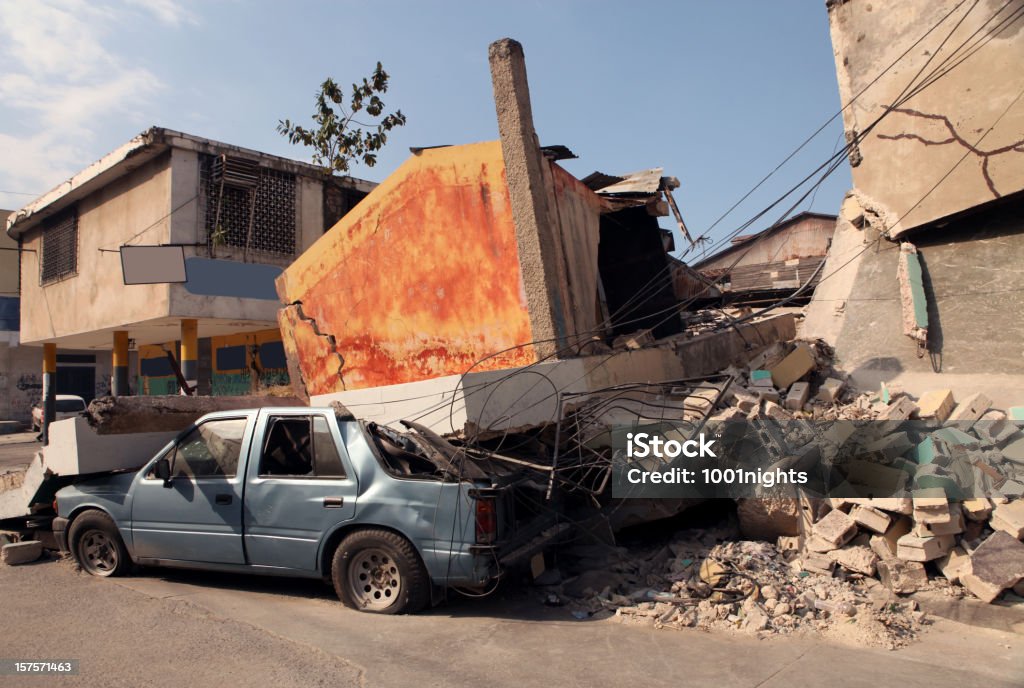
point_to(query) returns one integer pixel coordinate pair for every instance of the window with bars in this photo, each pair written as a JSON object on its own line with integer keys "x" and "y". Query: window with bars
{"x": 60, "y": 247}
{"x": 248, "y": 206}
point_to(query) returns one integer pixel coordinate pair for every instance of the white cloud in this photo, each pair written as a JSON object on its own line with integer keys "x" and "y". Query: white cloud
{"x": 60, "y": 84}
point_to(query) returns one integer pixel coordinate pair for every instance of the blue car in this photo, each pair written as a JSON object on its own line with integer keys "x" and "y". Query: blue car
{"x": 388, "y": 517}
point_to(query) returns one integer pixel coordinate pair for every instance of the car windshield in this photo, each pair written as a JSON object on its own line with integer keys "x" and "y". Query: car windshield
{"x": 70, "y": 405}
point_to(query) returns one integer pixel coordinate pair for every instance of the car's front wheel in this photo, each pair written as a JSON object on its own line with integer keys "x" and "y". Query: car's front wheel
{"x": 97, "y": 546}
{"x": 379, "y": 571}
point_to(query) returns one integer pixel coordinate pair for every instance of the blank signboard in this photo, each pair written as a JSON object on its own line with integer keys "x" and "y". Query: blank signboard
{"x": 153, "y": 264}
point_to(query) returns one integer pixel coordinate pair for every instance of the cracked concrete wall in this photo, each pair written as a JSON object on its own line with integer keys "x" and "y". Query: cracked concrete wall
{"x": 420, "y": 280}
{"x": 918, "y": 143}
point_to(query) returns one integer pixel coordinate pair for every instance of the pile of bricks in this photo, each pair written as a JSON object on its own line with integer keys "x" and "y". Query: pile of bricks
{"x": 934, "y": 526}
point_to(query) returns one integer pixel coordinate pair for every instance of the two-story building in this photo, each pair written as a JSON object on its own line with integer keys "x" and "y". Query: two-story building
{"x": 239, "y": 216}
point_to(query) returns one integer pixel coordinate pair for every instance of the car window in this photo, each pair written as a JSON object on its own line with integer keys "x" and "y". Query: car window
{"x": 328, "y": 462}
{"x": 288, "y": 449}
{"x": 70, "y": 405}
{"x": 211, "y": 450}
{"x": 292, "y": 450}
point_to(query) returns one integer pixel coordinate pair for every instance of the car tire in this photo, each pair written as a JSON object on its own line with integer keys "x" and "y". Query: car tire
{"x": 379, "y": 571}
{"x": 96, "y": 545}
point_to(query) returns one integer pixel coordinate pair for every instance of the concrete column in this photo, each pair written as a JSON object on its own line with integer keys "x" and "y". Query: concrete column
{"x": 119, "y": 378}
{"x": 540, "y": 252}
{"x": 190, "y": 351}
{"x": 49, "y": 388}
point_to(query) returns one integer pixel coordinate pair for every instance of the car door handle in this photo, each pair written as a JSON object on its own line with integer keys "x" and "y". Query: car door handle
{"x": 333, "y": 502}
{"x": 222, "y": 499}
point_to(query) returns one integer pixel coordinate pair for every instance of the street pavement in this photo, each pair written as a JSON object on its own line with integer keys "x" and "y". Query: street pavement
{"x": 173, "y": 628}
{"x": 17, "y": 450}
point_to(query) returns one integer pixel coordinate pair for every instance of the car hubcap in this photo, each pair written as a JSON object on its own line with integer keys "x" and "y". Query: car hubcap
{"x": 98, "y": 554}
{"x": 374, "y": 580}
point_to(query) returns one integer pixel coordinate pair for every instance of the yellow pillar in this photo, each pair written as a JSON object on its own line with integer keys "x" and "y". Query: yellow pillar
{"x": 190, "y": 351}
{"x": 119, "y": 379}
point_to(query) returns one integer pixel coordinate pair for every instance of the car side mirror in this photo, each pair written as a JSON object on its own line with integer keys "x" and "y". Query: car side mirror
{"x": 162, "y": 470}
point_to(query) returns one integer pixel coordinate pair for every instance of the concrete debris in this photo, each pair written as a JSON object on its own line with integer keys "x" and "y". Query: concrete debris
{"x": 922, "y": 447}
{"x": 937, "y": 404}
{"x": 699, "y": 581}
{"x": 793, "y": 367}
{"x": 21, "y": 552}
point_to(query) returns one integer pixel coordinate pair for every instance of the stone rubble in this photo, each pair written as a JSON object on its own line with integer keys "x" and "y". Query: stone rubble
{"x": 927, "y": 530}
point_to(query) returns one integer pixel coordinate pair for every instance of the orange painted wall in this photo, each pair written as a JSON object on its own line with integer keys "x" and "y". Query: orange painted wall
{"x": 420, "y": 280}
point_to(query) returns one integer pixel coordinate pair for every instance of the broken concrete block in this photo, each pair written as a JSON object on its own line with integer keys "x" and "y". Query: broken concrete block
{"x": 769, "y": 517}
{"x": 891, "y": 446}
{"x": 830, "y": 390}
{"x": 930, "y": 499}
{"x": 1009, "y": 518}
{"x": 997, "y": 564}
{"x": 817, "y": 563}
{"x": 788, "y": 543}
{"x": 897, "y": 505}
{"x": 977, "y": 509}
{"x": 994, "y": 429}
{"x": 797, "y": 395}
{"x": 835, "y": 528}
{"x": 793, "y": 367}
{"x": 936, "y": 404}
{"x": 856, "y": 559}
{"x": 899, "y": 410}
{"x": 955, "y": 564}
{"x": 21, "y": 552}
{"x": 956, "y": 438}
{"x": 871, "y": 477}
{"x": 773, "y": 410}
{"x": 953, "y": 526}
{"x": 1014, "y": 452}
{"x": 970, "y": 410}
{"x": 744, "y": 400}
{"x": 902, "y": 577}
{"x": 871, "y": 518}
{"x": 932, "y": 515}
{"x": 840, "y": 503}
{"x": 913, "y": 548}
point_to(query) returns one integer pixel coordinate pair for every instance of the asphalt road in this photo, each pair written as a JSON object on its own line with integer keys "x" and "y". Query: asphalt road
{"x": 17, "y": 450}
{"x": 174, "y": 628}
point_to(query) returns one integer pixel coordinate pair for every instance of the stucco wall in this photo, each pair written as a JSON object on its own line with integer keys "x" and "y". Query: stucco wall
{"x": 420, "y": 280}
{"x": 135, "y": 206}
{"x": 926, "y": 137}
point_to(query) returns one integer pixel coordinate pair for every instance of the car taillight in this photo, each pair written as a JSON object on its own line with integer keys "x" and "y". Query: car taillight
{"x": 486, "y": 521}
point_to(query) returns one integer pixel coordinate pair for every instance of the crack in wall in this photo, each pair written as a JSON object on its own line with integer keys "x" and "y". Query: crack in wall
{"x": 955, "y": 137}
{"x": 331, "y": 341}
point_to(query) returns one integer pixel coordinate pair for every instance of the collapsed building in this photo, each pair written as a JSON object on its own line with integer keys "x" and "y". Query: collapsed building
{"x": 475, "y": 271}
{"x": 936, "y": 143}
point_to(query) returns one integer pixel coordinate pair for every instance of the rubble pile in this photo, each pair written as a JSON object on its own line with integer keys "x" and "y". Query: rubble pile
{"x": 958, "y": 466}
{"x": 703, "y": 582}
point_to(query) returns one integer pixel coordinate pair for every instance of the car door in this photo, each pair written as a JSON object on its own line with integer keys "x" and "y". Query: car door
{"x": 197, "y": 515}
{"x": 301, "y": 486}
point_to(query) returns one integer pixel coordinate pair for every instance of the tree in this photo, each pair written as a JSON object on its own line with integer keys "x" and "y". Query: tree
{"x": 336, "y": 143}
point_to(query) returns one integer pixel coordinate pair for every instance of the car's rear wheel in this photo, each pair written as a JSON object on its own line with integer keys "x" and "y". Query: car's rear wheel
{"x": 97, "y": 546}
{"x": 380, "y": 572}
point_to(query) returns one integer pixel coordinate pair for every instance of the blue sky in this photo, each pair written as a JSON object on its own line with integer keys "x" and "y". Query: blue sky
{"x": 716, "y": 93}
